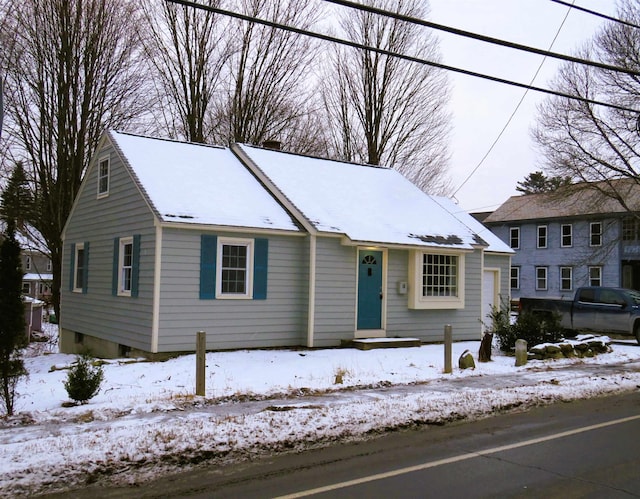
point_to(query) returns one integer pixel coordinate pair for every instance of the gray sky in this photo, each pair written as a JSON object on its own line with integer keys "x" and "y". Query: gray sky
{"x": 482, "y": 108}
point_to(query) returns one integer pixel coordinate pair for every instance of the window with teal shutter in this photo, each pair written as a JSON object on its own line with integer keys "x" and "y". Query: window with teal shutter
{"x": 208, "y": 256}
{"x": 126, "y": 266}
{"x": 72, "y": 266}
{"x": 85, "y": 264}
{"x": 261, "y": 258}
{"x": 225, "y": 268}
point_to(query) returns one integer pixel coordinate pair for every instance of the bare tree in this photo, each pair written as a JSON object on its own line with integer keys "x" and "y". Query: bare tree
{"x": 188, "y": 49}
{"x": 267, "y": 90}
{"x": 72, "y": 70}
{"x": 589, "y": 143}
{"x": 385, "y": 110}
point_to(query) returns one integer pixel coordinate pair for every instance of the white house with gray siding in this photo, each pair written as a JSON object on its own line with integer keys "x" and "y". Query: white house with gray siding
{"x": 262, "y": 248}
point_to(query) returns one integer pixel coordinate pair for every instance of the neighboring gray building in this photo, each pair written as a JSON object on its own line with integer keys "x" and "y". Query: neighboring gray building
{"x": 577, "y": 236}
{"x": 261, "y": 248}
{"x": 36, "y": 263}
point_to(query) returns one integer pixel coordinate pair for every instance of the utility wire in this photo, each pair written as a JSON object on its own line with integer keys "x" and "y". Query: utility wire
{"x": 598, "y": 14}
{"x": 320, "y": 36}
{"x": 515, "y": 110}
{"x": 483, "y": 38}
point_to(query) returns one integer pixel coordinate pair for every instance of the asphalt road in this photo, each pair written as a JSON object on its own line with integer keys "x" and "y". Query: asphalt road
{"x": 587, "y": 448}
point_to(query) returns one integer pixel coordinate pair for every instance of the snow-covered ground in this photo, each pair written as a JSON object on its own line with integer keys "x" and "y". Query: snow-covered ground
{"x": 146, "y": 418}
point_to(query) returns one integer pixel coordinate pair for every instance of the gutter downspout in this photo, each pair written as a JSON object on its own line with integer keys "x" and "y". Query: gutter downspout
{"x": 311, "y": 320}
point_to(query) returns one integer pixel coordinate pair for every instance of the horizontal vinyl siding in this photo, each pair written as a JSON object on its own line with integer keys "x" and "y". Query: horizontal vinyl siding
{"x": 123, "y": 213}
{"x": 280, "y": 320}
{"x": 336, "y": 269}
{"x": 428, "y": 325}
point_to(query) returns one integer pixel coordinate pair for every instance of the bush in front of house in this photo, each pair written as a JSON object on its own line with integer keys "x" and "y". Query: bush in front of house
{"x": 84, "y": 379}
{"x": 533, "y": 328}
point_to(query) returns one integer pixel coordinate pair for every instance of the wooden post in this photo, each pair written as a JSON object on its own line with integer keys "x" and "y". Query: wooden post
{"x": 201, "y": 356}
{"x": 521, "y": 352}
{"x": 448, "y": 348}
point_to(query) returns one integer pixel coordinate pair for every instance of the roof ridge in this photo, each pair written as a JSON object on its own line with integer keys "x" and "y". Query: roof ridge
{"x": 168, "y": 139}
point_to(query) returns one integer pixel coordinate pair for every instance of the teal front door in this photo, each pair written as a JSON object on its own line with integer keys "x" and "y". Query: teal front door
{"x": 370, "y": 289}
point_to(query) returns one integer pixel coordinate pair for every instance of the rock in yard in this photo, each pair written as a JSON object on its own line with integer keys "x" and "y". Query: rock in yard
{"x": 466, "y": 360}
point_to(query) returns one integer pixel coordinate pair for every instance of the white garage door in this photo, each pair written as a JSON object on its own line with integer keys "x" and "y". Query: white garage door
{"x": 489, "y": 295}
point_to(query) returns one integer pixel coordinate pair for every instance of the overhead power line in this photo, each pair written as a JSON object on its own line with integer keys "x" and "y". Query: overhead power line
{"x": 524, "y": 94}
{"x": 597, "y": 14}
{"x": 340, "y": 41}
{"x": 483, "y": 38}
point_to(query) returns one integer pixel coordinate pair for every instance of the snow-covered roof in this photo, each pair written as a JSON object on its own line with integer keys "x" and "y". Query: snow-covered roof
{"x": 365, "y": 203}
{"x": 29, "y": 238}
{"x": 200, "y": 184}
{"x": 32, "y": 276}
{"x": 496, "y": 245}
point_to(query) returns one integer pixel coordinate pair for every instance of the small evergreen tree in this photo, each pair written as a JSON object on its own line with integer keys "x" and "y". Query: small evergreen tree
{"x": 17, "y": 202}
{"x": 12, "y": 323}
{"x": 83, "y": 380}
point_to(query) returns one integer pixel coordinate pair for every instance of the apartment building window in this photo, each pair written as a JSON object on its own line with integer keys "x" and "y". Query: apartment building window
{"x": 514, "y": 237}
{"x": 595, "y": 234}
{"x": 595, "y": 276}
{"x": 542, "y": 236}
{"x": 566, "y": 235}
{"x": 566, "y": 278}
{"x": 629, "y": 229}
{"x": 541, "y": 278}
{"x": 515, "y": 277}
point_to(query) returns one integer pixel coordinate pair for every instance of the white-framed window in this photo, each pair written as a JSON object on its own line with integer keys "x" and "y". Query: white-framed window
{"x": 437, "y": 280}
{"x": 125, "y": 266}
{"x": 566, "y": 235}
{"x": 49, "y": 266}
{"x": 235, "y": 268}
{"x": 595, "y": 276}
{"x": 514, "y": 237}
{"x": 566, "y": 278}
{"x": 595, "y": 234}
{"x": 542, "y": 236}
{"x": 27, "y": 263}
{"x": 541, "y": 278}
{"x": 26, "y": 288}
{"x": 79, "y": 270}
{"x": 103, "y": 177}
{"x": 515, "y": 277}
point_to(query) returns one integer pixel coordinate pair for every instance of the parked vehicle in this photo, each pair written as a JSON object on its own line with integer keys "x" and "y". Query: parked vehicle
{"x": 595, "y": 308}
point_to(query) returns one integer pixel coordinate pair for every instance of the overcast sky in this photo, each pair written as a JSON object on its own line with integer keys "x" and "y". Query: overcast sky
{"x": 482, "y": 108}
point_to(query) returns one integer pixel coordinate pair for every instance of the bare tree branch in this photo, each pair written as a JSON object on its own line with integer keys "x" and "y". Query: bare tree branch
{"x": 384, "y": 110}
{"x": 73, "y": 71}
{"x": 589, "y": 143}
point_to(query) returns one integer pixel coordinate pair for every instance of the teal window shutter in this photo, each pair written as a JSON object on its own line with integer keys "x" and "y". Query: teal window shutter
{"x": 208, "y": 255}
{"x": 135, "y": 271}
{"x": 260, "y": 260}
{"x": 116, "y": 258}
{"x": 72, "y": 266}
{"x": 85, "y": 265}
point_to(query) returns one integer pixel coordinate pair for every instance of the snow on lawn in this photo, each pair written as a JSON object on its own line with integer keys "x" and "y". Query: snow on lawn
{"x": 146, "y": 419}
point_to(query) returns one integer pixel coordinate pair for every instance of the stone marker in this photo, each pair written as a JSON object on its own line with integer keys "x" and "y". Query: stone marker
{"x": 466, "y": 360}
{"x": 521, "y": 352}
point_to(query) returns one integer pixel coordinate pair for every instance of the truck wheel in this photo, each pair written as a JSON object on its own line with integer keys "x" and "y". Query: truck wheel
{"x": 636, "y": 331}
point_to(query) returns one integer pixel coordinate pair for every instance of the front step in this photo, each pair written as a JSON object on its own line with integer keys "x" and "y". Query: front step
{"x": 372, "y": 343}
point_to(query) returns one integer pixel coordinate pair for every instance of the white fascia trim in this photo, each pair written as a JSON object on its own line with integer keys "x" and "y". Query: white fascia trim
{"x": 157, "y": 272}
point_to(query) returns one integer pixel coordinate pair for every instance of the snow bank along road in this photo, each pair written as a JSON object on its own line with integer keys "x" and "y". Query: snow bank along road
{"x": 126, "y": 437}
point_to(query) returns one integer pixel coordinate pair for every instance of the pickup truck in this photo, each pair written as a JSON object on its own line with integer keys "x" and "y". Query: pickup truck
{"x": 596, "y": 308}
